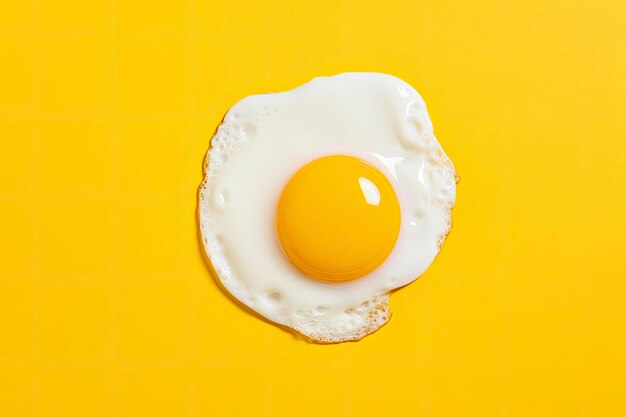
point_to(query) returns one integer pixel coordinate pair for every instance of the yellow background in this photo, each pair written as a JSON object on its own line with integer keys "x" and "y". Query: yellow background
{"x": 107, "y": 308}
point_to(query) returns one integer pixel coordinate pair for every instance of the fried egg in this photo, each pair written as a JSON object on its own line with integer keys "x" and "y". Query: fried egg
{"x": 318, "y": 202}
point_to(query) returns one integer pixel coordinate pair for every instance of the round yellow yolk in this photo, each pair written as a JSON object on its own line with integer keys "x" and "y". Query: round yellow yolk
{"x": 338, "y": 218}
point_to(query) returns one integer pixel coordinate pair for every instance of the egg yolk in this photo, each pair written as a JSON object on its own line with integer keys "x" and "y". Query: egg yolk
{"x": 338, "y": 218}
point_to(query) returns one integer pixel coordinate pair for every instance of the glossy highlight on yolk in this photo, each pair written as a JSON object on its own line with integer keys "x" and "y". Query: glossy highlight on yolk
{"x": 338, "y": 218}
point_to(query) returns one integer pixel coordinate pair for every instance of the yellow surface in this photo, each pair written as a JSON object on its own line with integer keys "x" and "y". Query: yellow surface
{"x": 325, "y": 225}
{"x": 106, "y": 108}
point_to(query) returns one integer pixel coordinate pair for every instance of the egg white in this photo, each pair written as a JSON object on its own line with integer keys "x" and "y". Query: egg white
{"x": 265, "y": 139}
